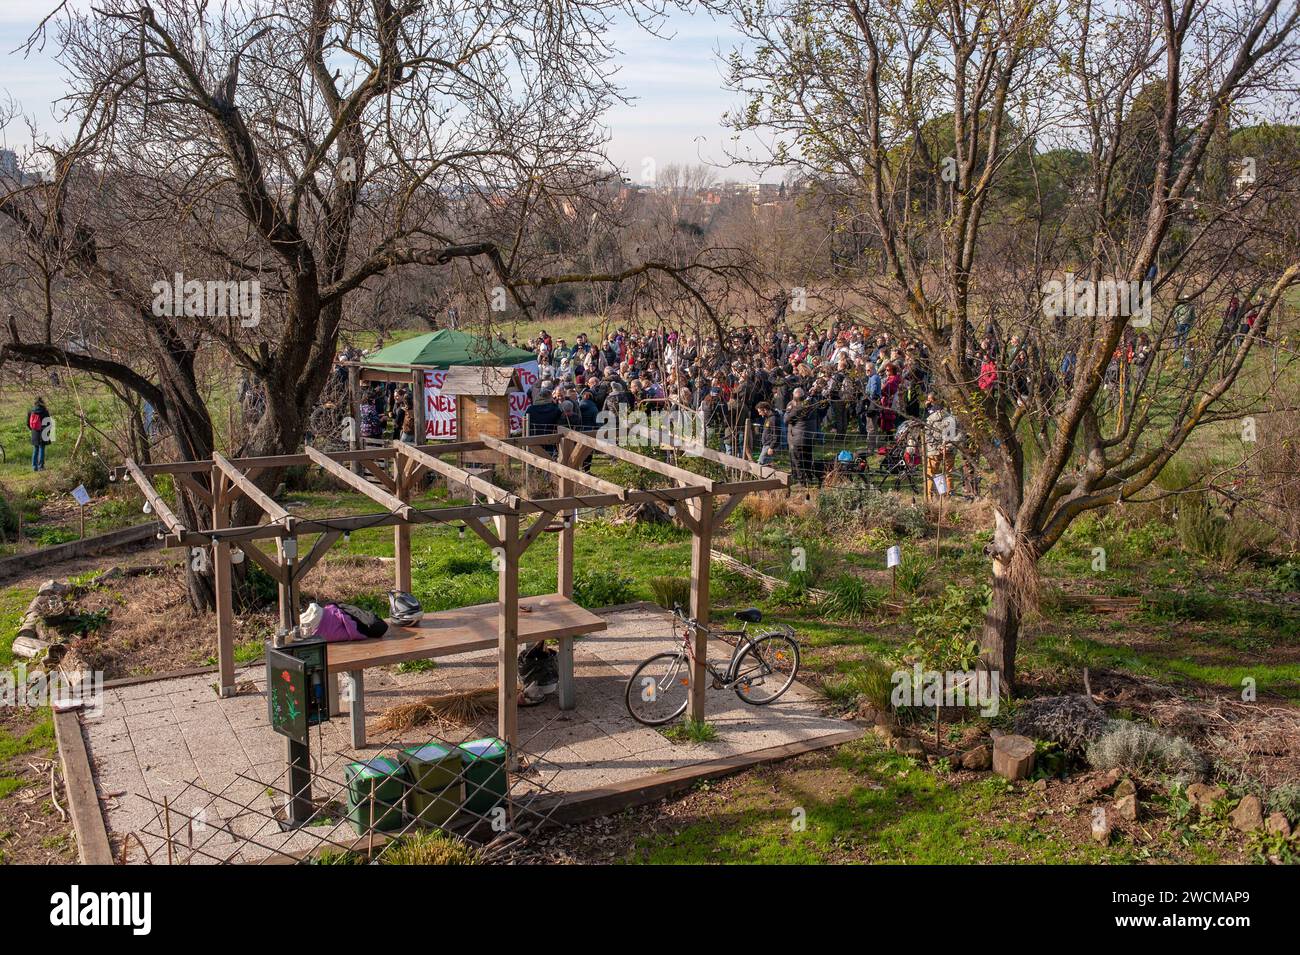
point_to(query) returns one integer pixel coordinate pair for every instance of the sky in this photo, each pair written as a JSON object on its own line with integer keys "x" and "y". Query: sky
{"x": 674, "y": 81}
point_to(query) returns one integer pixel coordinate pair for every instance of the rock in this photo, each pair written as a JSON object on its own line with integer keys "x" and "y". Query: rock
{"x": 1127, "y": 807}
{"x": 867, "y": 712}
{"x": 1100, "y": 826}
{"x": 1249, "y": 814}
{"x": 53, "y": 587}
{"x": 1013, "y": 757}
{"x": 29, "y": 647}
{"x": 1204, "y": 797}
{"x": 979, "y": 759}
{"x": 1125, "y": 788}
{"x": 1040, "y": 787}
{"x": 1278, "y": 823}
{"x": 909, "y": 746}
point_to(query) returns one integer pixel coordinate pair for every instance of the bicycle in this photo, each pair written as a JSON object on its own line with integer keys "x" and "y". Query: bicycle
{"x": 659, "y": 690}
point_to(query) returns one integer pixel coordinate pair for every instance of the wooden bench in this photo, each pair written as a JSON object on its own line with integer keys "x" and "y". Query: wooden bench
{"x": 446, "y": 632}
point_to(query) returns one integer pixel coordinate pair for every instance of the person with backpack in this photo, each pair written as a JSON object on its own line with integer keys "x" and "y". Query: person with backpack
{"x": 38, "y": 419}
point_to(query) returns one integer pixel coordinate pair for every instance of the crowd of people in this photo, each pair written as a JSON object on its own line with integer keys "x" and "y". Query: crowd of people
{"x": 765, "y": 392}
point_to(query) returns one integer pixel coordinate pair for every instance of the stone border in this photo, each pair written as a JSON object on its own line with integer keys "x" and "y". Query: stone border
{"x": 88, "y": 547}
{"x": 93, "y": 846}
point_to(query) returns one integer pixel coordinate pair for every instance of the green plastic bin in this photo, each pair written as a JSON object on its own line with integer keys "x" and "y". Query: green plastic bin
{"x": 485, "y": 774}
{"x": 387, "y": 780}
{"x": 437, "y": 789}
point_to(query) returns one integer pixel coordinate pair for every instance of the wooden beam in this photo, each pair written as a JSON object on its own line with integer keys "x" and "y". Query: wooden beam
{"x": 323, "y": 543}
{"x": 717, "y": 457}
{"x": 543, "y": 463}
{"x": 477, "y": 484}
{"x": 195, "y": 488}
{"x": 242, "y": 482}
{"x": 379, "y": 474}
{"x": 355, "y": 481}
{"x": 159, "y": 506}
{"x": 264, "y": 560}
{"x": 730, "y": 505}
{"x": 681, "y": 475}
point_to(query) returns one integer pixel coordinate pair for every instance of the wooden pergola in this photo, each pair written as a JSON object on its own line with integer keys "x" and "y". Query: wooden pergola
{"x": 506, "y": 522}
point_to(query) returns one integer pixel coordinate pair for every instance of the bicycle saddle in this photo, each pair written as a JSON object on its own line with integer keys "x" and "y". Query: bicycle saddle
{"x": 749, "y": 615}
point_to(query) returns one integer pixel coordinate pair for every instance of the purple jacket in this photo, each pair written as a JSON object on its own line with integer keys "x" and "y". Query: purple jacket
{"x": 336, "y": 626}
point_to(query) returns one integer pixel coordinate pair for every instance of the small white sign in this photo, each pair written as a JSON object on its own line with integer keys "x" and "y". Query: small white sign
{"x": 80, "y": 495}
{"x": 941, "y": 484}
{"x": 893, "y": 556}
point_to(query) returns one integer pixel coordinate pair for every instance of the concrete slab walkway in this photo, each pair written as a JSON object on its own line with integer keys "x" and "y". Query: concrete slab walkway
{"x": 174, "y": 741}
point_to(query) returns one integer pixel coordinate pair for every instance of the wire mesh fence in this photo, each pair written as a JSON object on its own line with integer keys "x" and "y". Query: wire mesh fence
{"x": 467, "y": 790}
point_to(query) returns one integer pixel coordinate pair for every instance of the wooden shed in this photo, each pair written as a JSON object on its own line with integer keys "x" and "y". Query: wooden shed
{"x": 482, "y": 406}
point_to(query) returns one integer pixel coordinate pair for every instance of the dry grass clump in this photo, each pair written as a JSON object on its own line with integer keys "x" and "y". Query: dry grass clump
{"x": 465, "y": 708}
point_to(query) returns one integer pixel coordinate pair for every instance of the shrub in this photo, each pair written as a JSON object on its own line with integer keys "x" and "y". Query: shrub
{"x": 602, "y": 588}
{"x": 849, "y": 598}
{"x": 793, "y": 592}
{"x": 1144, "y": 751}
{"x": 871, "y": 680}
{"x": 86, "y": 466}
{"x": 1072, "y": 722}
{"x": 1286, "y": 800}
{"x": 912, "y": 573}
{"x": 1209, "y": 533}
{"x": 855, "y": 505}
{"x": 670, "y": 592}
{"x": 428, "y": 848}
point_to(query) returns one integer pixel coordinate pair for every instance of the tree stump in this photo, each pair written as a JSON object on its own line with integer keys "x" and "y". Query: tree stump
{"x": 1013, "y": 757}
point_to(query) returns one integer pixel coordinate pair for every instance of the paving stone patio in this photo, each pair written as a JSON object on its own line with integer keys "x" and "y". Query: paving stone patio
{"x": 175, "y": 741}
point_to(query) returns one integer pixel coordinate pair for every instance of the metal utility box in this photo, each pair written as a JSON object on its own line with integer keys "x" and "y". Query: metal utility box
{"x": 296, "y": 696}
{"x": 437, "y": 787}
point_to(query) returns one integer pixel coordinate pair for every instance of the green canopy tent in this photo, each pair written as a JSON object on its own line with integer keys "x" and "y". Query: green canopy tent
{"x": 445, "y": 349}
{"x": 421, "y": 363}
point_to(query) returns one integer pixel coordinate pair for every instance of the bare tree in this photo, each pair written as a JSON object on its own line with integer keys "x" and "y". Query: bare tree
{"x": 933, "y": 125}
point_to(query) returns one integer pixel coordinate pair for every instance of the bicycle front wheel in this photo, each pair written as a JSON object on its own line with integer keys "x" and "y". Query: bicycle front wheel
{"x": 766, "y": 669}
{"x": 659, "y": 689}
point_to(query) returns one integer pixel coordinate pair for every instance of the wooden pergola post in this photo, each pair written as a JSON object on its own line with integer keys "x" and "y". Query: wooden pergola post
{"x": 354, "y": 409}
{"x": 508, "y": 632}
{"x": 702, "y": 511}
{"x": 402, "y": 532}
{"x": 564, "y": 558}
{"x": 417, "y": 404}
{"x": 223, "y": 587}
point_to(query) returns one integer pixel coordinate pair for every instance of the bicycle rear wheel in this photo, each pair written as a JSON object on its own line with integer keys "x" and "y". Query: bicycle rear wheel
{"x": 766, "y": 669}
{"x": 659, "y": 689}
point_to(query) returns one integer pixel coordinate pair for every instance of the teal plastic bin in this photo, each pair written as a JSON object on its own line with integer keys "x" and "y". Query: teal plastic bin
{"x": 384, "y": 779}
{"x": 437, "y": 788}
{"x": 485, "y": 774}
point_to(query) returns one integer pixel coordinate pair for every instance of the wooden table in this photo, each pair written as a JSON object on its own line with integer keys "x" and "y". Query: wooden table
{"x": 464, "y": 629}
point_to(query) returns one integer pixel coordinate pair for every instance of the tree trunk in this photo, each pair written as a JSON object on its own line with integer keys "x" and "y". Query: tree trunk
{"x": 1001, "y": 630}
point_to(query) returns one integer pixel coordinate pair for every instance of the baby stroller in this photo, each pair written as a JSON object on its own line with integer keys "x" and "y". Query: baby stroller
{"x": 901, "y": 460}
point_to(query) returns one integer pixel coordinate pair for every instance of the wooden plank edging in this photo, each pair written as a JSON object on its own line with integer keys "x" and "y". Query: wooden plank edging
{"x": 93, "y": 846}
{"x": 88, "y": 547}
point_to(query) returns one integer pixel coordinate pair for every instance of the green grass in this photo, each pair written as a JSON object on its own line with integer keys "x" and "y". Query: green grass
{"x": 13, "y": 604}
{"x": 690, "y": 731}
{"x": 881, "y": 808}
{"x": 38, "y": 739}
